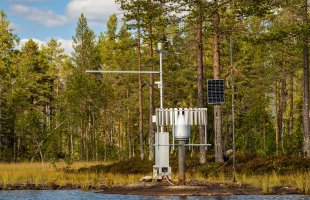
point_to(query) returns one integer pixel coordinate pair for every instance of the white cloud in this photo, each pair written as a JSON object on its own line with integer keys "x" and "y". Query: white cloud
{"x": 23, "y": 41}
{"x": 96, "y": 12}
{"x": 65, "y": 44}
{"x": 42, "y": 16}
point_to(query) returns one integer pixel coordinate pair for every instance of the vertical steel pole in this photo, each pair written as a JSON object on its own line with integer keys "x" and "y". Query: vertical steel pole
{"x": 161, "y": 80}
{"x": 181, "y": 162}
{"x": 232, "y": 106}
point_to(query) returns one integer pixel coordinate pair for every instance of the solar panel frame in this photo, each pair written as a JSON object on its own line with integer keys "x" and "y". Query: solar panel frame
{"x": 216, "y": 91}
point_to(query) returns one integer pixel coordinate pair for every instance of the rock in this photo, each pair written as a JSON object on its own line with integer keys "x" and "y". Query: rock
{"x": 146, "y": 179}
{"x": 140, "y": 185}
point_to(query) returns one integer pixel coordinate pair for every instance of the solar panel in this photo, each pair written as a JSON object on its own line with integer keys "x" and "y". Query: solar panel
{"x": 216, "y": 91}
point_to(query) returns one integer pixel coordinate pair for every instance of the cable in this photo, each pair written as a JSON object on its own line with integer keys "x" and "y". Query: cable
{"x": 219, "y": 167}
{"x": 168, "y": 180}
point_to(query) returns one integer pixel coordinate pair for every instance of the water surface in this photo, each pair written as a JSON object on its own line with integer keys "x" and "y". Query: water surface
{"x": 81, "y": 195}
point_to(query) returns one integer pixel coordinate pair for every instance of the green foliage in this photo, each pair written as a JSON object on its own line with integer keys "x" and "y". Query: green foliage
{"x": 133, "y": 166}
{"x": 84, "y": 54}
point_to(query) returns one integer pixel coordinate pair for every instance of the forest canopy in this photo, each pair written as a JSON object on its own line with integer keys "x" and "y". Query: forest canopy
{"x": 51, "y": 109}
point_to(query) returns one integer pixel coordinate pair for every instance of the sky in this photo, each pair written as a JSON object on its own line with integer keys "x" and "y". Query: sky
{"x": 42, "y": 20}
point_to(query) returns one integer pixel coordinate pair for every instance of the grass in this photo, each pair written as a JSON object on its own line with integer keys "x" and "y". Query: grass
{"x": 47, "y": 174}
{"x": 266, "y": 182}
{"x": 97, "y": 174}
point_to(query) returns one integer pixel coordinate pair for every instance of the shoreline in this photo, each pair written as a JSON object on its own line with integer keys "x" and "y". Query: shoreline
{"x": 161, "y": 189}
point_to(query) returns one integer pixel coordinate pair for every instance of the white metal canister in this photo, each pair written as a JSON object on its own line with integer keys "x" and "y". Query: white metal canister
{"x": 182, "y": 129}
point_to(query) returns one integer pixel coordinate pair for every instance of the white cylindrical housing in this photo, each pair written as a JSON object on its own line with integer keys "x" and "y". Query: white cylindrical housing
{"x": 182, "y": 130}
{"x": 162, "y": 149}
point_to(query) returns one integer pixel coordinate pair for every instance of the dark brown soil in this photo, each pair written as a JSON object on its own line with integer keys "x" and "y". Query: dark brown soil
{"x": 196, "y": 189}
{"x": 161, "y": 189}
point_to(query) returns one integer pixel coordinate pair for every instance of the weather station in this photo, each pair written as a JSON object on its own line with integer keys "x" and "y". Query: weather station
{"x": 180, "y": 119}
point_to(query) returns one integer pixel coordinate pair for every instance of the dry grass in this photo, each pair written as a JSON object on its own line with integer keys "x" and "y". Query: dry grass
{"x": 266, "y": 182}
{"x": 301, "y": 181}
{"x": 46, "y": 174}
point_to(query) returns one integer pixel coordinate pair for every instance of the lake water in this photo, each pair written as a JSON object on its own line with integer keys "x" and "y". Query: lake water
{"x": 80, "y": 195}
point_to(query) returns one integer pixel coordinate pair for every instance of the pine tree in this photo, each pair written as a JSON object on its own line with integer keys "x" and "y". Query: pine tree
{"x": 84, "y": 47}
{"x": 7, "y": 57}
{"x": 86, "y": 90}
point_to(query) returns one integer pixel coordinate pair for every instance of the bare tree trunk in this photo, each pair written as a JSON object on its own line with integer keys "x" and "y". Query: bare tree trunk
{"x": 291, "y": 111}
{"x": 201, "y": 103}
{"x": 18, "y": 145}
{"x": 105, "y": 144}
{"x": 119, "y": 140}
{"x": 216, "y": 71}
{"x": 140, "y": 96}
{"x": 306, "y": 145}
{"x": 1, "y": 134}
{"x": 15, "y": 149}
{"x": 71, "y": 148}
{"x": 123, "y": 138}
{"x": 82, "y": 141}
{"x": 86, "y": 142}
{"x": 41, "y": 155}
{"x": 92, "y": 137}
{"x": 264, "y": 134}
{"x": 281, "y": 111}
{"x": 129, "y": 136}
{"x": 277, "y": 117}
{"x": 151, "y": 106}
{"x": 95, "y": 138}
{"x": 283, "y": 107}
{"x": 111, "y": 134}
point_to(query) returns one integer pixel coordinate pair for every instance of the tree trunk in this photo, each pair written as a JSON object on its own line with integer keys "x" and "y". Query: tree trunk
{"x": 18, "y": 146}
{"x": 306, "y": 145}
{"x": 1, "y": 143}
{"x": 201, "y": 103}
{"x": 283, "y": 110}
{"x": 291, "y": 111}
{"x": 280, "y": 113}
{"x": 86, "y": 141}
{"x": 140, "y": 96}
{"x": 95, "y": 138}
{"x": 216, "y": 74}
{"x": 71, "y": 149}
{"x": 105, "y": 144}
{"x": 119, "y": 140}
{"x": 129, "y": 136}
{"x": 82, "y": 141}
{"x": 151, "y": 106}
{"x": 277, "y": 116}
